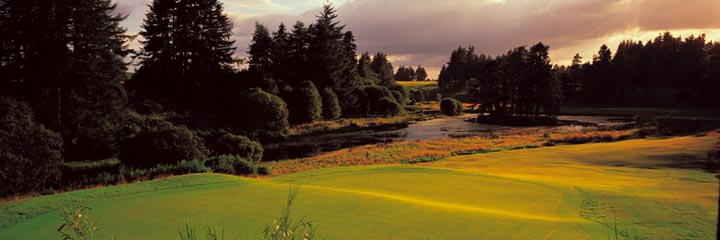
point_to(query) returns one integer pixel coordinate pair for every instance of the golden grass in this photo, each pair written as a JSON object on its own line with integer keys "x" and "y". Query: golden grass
{"x": 403, "y": 152}
{"x": 332, "y": 125}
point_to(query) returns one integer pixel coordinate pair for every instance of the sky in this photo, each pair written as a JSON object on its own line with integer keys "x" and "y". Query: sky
{"x": 424, "y": 32}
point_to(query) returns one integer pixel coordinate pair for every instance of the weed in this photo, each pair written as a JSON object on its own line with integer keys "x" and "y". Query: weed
{"x": 76, "y": 226}
{"x": 283, "y": 228}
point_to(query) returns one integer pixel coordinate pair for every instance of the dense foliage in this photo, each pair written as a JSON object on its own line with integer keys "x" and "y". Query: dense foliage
{"x": 305, "y": 104}
{"x": 664, "y": 71}
{"x": 451, "y": 107}
{"x": 228, "y": 143}
{"x": 260, "y": 114}
{"x": 187, "y": 48}
{"x": 66, "y": 61}
{"x": 519, "y": 83}
{"x": 161, "y": 142}
{"x": 331, "y": 105}
{"x": 30, "y": 155}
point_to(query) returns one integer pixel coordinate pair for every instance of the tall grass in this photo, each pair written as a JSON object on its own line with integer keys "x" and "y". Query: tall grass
{"x": 77, "y": 225}
{"x": 284, "y": 228}
{"x": 187, "y": 230}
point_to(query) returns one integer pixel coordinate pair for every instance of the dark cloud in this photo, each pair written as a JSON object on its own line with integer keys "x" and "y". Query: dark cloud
{"x": 425, "y": 31}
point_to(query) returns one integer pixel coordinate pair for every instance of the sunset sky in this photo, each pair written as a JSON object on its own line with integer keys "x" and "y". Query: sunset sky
{"x": 424, "y": 32}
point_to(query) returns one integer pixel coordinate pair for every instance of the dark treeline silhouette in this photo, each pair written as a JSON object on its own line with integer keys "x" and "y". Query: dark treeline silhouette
{"x": 60, "y": 69}
{"x": 664, "y": 71}
{"x": 320, "y": 58}
{"x": 65, "y": 94}
{"x": 409, "y": 74}
{"x": 518, "y": 84}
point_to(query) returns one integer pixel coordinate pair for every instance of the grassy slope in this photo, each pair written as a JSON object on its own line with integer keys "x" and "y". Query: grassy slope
{"x": 522, "y": 194}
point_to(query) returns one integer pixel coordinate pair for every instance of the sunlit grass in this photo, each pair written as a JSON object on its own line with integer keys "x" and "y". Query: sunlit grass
{"x": 561, "y": 192}
{"x": 399, "y": 152}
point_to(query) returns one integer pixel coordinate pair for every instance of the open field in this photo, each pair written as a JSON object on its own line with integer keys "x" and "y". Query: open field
{"x": 649, "y": 189}
{"x": 420, "y": 85}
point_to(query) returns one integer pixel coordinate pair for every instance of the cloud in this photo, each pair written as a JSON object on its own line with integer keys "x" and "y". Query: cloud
{"x": 424, "y": 32}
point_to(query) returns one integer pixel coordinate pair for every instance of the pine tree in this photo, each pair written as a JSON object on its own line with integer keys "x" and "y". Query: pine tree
{"x": 66, "y": 59}
{"x": 365, "y": 71}
{"x": 421, "y": 74}
{"x": 384, "y": 69}
{"x": 326, "y": 51}
{"x": 279, "y": 55}
{"x": 261, "y": 51}
{"x": 187, "y": 45}
{"x": 298, "y": 44}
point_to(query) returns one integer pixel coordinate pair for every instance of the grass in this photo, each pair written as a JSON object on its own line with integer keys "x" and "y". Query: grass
{"x": 417, "y": 85}
{"x": 410, "y": 152}
{"x": 561, "y": 192}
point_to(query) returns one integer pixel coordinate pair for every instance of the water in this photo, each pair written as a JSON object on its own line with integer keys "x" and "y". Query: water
{"x": 441, "y": 128}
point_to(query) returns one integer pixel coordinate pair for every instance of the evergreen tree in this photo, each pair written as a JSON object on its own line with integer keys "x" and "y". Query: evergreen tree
{"x": 66, "y": 60}
{"x": 326, "y": 51}
{"x": 330, "y": 105}
{"x": 548, "y": 88}
{"x": 306, "y": 105}
{"x": 187, "y": 45}
{"x": 261, "y": 66}
{"x": 364, "y": 69}
{"x": 421, "y": 74}
{"x": 280, "y": 55}
{"x": 298, "y": 44}
{"x": 261, "y": 51}
{"x": 600, "y": 81}
{"x": 383, "y": 68}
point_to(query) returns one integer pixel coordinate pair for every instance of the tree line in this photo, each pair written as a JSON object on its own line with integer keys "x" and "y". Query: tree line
{"x": 664, "y": 71}
{"x": 65, "y": 94}
{"x": 519, "y": 83}
{"x": 409, "y": 74}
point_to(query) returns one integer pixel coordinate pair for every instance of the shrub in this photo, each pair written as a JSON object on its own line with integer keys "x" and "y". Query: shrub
{"x": 331, "y": 105}
{"x": 161, "y": 143}
{"x": 232, "y": 144}
{"x": 400, "y": 94}
{"x": 30, "y": 155}
{"x": 233, "y": 164}
{"x": 451, "y": 107}
{"x": 388, "y": 107}
{"x": 306, "y": 104}
{"x": 417, "y": 96}
{"x": 261, "y": 114}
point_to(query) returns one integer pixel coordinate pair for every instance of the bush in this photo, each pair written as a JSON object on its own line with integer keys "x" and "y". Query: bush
{"x": 228, "y": 143}
{"x": 30, "y": 155}
{"x": 233, "y": 164}
{"x": 417, "y": 96}
{"x": 451, "y": 107}
{"x": 306, "y": 104}
{"x": 388, "y": 107}
{"x": 331, "y": 105}
{"x": 161, "y": 143}
{"x": 261, "y": 114}
{"x": 400, "y": 94}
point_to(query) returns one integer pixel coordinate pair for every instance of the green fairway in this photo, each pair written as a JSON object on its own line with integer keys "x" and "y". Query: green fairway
{"x": 564, "y": 192}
